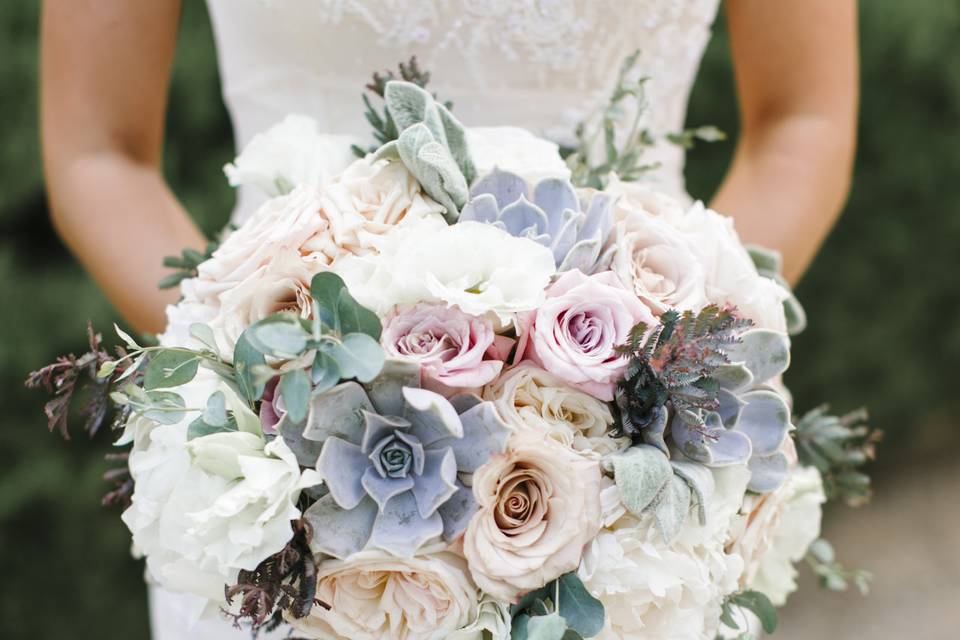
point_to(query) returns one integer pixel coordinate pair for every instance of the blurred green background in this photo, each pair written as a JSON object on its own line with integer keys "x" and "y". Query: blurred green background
{"x": 882, "y": 297}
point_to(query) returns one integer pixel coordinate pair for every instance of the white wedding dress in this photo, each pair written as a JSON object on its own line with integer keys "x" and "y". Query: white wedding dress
{"x": 543, "y": 65}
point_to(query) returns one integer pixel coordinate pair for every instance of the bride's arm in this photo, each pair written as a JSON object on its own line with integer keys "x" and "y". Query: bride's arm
{"x": 796, "y": 65}
{"x": 105, "y": 74}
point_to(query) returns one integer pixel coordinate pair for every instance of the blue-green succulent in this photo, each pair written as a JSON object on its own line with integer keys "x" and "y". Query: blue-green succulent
{"x": 552, "y": 214}
{"x": 393, "y": 457}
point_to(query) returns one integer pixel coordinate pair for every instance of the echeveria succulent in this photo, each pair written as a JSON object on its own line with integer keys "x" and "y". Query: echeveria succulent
{"x": 752, "y": 419}
{"x": 552, "y": 215}
{"x": 392, "y": 455}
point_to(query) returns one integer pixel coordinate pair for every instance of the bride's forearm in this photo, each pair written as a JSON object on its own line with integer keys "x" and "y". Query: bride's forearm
{"x": 787, "y": 185}
{"x": 120, "y": 219}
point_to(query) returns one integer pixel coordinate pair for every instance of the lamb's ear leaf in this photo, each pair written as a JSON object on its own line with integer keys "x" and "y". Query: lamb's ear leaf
{"x": 406, "y": 102}
{"x": 457, "y": 143}
{"x": 641, "y": 473}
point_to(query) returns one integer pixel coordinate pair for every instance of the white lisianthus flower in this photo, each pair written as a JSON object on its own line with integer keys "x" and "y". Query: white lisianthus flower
{"x": 775, "y": 531}
{"x": 538, "y": 506}
{"x": 529, "y": 398}
{"x": 477, "y": 267}
{"x": 374, "y": 595}
{"x": 731, "y": 277}
{"x": 205, "y": 509}
{"x": 290, "y": 153}
{"x": 658, "y": 263}
{"x": 517, "y": 151}
{"x": 492, "y": 623}
{"x": 653, "y": 590}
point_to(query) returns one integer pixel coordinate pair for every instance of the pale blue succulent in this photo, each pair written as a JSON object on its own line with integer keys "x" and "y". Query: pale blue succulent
{"x": 393, "y": 459}
{"x": 551, "y": 215}
{"x": 753, "y": 418}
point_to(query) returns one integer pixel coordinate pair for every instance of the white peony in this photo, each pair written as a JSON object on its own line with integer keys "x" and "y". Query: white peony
{"x": 290, "y": 153}
{"x": 373, "y": 595}
{"x": 202, "y": 510}
{"x": 515, "y": 150}
{"x": 658, "y": 263}
{"x": 527, "y": 397}
{"x": 652, "y": 590}
{"x": 476, "y": 267}
{"x": 775, "y": 531}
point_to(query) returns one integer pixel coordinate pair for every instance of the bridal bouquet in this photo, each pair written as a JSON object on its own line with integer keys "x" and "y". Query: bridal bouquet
{"x": 466, "y": 388}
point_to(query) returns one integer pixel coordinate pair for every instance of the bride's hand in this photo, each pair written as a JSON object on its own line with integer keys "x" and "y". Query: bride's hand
{"x": 797, "y": 79}
{"x": 105, "y": 74}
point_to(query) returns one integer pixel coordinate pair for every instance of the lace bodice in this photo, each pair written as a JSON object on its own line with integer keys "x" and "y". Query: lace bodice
{"x": 540, "y": 64}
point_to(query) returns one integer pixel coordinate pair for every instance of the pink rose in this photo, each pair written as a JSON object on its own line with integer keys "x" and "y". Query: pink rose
{"x": 574, "y": 334}
{"x": 453, "y": 349}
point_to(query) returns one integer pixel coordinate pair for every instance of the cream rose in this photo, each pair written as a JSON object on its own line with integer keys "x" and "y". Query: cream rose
{"x": 527, "y": 397}
{"x": 538, "y": 505}
{"x": 657, "y": 262}
{"x": 373, "y": 595}
{"x": 640, "y": 198}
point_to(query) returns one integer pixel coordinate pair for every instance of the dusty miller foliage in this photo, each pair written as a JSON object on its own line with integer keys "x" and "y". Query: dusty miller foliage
{"x": 286, "y": 581}
{"x": 624, "y": 158}
{"x": 839, "y": 446}
{"x": 384, "y": 128}
{"x": 673, "y": 363}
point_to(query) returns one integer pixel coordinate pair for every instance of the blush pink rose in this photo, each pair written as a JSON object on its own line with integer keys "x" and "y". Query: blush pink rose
{"x": 575, "y": 333}
{"x": 454, "y": 349}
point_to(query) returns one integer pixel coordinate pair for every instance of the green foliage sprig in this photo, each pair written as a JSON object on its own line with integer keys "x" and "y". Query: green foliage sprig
{"x": 384, "y": 127}
{"x": 832, "y": 575}
{"x": 626, "y": 158}
{"x": 673, "y": 362}
{"x": 839, "y": 446}
{"x": 561, "y": 610}
{"x": 185, "y": 265}
{"x": 752, "y": 601}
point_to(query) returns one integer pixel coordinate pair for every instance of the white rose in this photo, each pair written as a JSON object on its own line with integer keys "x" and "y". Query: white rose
{"x": 776, "y": 530}
{"x": 538, "y": 505}
{"x": 476, "y": 267}
{"x": 527, "y": 397}
{"x": 203, "y": 510}
{"x": 515, "y": 150}
{"x": 658, "y": 263}
{"x": 651, "y": 590}
{"x": 373, "y": 595}
{"x": 290, "y": 153}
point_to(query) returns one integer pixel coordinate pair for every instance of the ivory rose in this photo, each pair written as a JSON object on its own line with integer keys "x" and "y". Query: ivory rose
{"x": 373, "y": 595}
{"x": 529, "y": 398}
{"x": 657, "y": 262}
{"x": 454, "y": 350}
{"x": 575, "y": 332}
{"x": 538, "y": 505}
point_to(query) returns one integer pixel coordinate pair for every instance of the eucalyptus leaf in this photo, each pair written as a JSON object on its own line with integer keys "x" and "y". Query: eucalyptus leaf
{"x": 215, "y": 413}
{"x": 170, "y": 368}
{"x": 164, "y": 407}
{"x": 357, "y": 356}
{"x": 325, "y": 373}
{"x": 582, "y": 612}
{"x": 245, "y": 358}
{"x": 204, "y": 334}
{"x": 200, "y": 428}
{"x": 295, "y": 391}
{"x": 325, "y": 289}
{"x": 281, "y": 336}
{"x": 127, "y": 339}
{"x": 760, "y": 605}
{"x": 355, "y": 318}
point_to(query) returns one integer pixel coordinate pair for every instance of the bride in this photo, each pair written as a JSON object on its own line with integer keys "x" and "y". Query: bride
{"x": 539, "y": 64}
